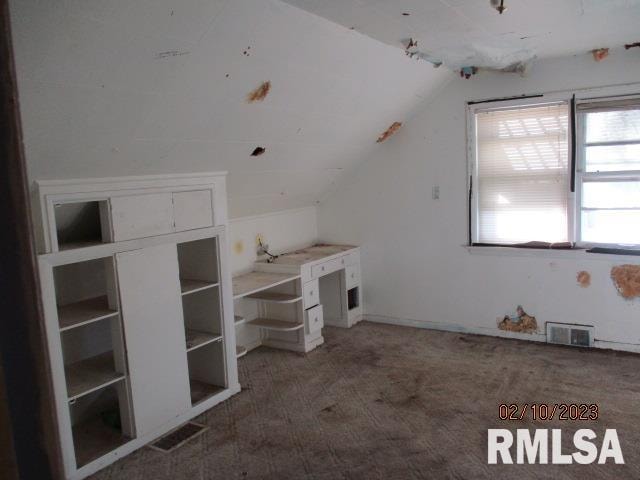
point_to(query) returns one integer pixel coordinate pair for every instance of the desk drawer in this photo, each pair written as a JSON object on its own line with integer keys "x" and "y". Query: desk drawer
{"x": 314, "y": 319}
{"x": 311, "y": 294}
{"x": 352, "y": 258}
{"x": 352, "y": 274}
{"x": 326, "y": 268}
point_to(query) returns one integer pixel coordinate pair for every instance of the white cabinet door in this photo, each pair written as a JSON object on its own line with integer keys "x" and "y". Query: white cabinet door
{"x": 139, "y": 216}
{"x": 192, "y": 210}
{"x": 154, "y": 333}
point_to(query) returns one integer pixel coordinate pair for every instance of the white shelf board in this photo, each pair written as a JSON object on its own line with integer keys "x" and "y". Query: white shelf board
{"x": 238, "y": 320}
{"x": 254, "y": 282}
{"x": 275, "y": 297}
{"x": 84, "y": 312}
{"x": 241, "y": 351}
{"x": 197, "y": 339}
{"x": 275, "y": 324}
{"x": 91, "y": 374}
{"x": 188, "y": 286}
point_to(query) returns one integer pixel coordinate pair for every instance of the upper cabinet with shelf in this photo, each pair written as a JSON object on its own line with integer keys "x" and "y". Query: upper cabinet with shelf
{"x": 87, "y": 212}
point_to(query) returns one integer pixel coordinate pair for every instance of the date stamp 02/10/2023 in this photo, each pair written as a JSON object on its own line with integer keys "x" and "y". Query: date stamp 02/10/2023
{"x": 544, "y": 446}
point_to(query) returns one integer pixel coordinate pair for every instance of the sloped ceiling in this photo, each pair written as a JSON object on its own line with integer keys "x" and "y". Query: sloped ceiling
{"x": 118, "y": 87}
{"x": 471, "y": 33}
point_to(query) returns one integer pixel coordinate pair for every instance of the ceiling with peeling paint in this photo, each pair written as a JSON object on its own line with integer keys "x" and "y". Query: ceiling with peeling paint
{"x": 111, "y": 88}
{"x": 472, "y": 33}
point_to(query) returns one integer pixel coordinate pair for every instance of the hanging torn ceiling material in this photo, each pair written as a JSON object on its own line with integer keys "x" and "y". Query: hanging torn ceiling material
{"x": 411, "y": 50}
{"x": 631, "y": 45}
{"x": 258, "y": 151}
{"x": 395, "y": 126}
{"x": 600, "y": 54}
{"x": 260, "y": 93}
{"x": 468, "y": 72}
{"x": 498, "y": 5}
{"x": 521, "y": 68}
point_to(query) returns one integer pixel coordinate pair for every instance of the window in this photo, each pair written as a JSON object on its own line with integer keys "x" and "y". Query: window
{"x": 608, "y": 172}
{"x": 521, "y": 174}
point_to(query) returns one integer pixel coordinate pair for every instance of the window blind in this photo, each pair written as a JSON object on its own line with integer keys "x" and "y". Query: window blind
{"x": 522, "y": 174}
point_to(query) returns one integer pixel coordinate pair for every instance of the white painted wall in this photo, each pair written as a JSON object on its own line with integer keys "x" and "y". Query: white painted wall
{"x": 283, "y": 231}
{"x": 121, "y": 87}
{"x": 414, "y": 265}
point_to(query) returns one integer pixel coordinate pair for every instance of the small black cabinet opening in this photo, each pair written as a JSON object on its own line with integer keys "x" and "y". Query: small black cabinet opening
{"x": 353, "y": 300}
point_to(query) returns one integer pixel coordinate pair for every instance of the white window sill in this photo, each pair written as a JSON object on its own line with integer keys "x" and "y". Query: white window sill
{"x": 582, "y": 255}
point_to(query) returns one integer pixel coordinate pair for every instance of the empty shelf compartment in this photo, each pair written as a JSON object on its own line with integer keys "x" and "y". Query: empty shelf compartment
{"x": 275, "y": 324}
{"x": 238, "y": 320}
{"x": 201, "y": 391}
{"x": 84, "y": 312}
{"x": 188, "y": 286}
{"x": 91, "y": 374}
{"x": 100, "y": 422}
{"x": 197, "y": 339}
{"x": 275, "y": 297}
{"x": 82, "y": 224}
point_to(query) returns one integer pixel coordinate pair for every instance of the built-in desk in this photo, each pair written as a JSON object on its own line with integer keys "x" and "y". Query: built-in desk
{"x": 330, "y": 271}
{"x": 295, "y": 295}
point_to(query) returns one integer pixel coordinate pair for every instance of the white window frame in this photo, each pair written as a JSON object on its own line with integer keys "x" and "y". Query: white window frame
{"x": 574, "y": 200}
{"x": 472, "y": 151}
{"x": 582, "y": 174}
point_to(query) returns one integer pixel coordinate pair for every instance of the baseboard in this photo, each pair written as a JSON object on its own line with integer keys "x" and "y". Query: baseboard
{"x": 493, "y": 332}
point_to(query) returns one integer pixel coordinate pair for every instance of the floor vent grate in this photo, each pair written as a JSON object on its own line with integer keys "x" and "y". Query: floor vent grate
{"x": 569, "y": 334}
{"x": 178, "y": 437}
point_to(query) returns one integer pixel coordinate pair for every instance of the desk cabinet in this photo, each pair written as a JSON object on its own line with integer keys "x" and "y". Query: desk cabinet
{"x": 330, "y": 271}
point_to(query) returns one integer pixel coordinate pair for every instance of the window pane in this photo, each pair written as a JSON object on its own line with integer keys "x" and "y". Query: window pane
{"x": 617, "y": 125}
{"x": 611, "y": 195}
{"x": 611, "y": 226}
{"x": 522, "y": 189}
{"x": 613, "y": 158}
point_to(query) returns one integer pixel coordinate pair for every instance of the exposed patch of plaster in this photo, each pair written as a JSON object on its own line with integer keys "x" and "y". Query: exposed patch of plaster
{"x": 395, "y": 126}
{"x": 626, "y": 279}
{"x": 521, "y": 322}
{"x": 584, "y": 279}
{"x": 260, "y": 93}
{"x": 600, "y": 54}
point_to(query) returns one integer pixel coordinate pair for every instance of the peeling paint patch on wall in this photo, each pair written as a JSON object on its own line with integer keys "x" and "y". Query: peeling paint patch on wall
{"x": 600, "y": 54}
{"x": 626, "y": 279}
{"x": 395, "y": 126}
{"x": 521, "y": 322}
{"x": 260, "y": 93}
{"x": 258, "y": 151}
{"x": 584, "y": 279}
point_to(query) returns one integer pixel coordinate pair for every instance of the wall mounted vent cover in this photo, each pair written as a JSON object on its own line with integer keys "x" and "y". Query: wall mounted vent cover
{"x": 570, "y": 334}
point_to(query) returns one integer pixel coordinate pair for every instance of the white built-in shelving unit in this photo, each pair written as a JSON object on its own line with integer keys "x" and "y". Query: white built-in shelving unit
{"x": 138, "y": 309}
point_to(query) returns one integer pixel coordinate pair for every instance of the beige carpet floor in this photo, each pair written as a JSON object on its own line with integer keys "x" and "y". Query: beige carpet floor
{"x": 385, "y": 402}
